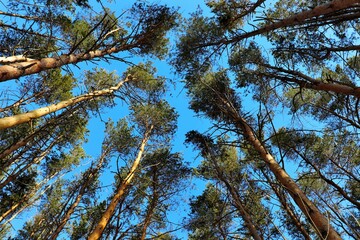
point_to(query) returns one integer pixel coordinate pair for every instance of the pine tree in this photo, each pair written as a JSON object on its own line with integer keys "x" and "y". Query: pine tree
{"x": 300, "y": 57}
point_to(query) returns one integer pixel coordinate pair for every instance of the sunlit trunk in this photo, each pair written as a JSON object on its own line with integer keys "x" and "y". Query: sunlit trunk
{"x": 105, "y": 218}
{"x": 8, "y": 122}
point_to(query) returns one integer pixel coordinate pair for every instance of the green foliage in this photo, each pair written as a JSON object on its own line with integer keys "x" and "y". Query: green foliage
{"x": 143, "y": 78}
{"x": 80, "y": 35}
{"x": 354, "y": 189}
{"x": 99, "y": 78}
{"x": 17, "y": 192}
{"x": 246, "y": 62}
{"x": 65, "y": 162}
{"x": 212, "y": 95}
{"x": 57, "y": 87}
{"x": 155, "y": 20}
{"x": 160, "y": 115}
{"x": 199, "y": 30}
{"x": 229, "y": 13}
{"x": 119, "y": 137}
{"x": 210, "y": 216}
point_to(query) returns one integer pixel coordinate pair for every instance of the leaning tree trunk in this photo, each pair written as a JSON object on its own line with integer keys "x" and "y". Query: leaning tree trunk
{"x": 289, "y": 211}
{"x": 313, "y": 214}
{"x": 152, "y": 204}
{"x": 88, "y": 179}
{"x": 8, "y": 122}
{"x": 315, "y": 217}
{"x": 249, "y": 223}
{"x": 297, "y": 19}
{"x": 32, "y": 66}
{"x": 105, "y": 218}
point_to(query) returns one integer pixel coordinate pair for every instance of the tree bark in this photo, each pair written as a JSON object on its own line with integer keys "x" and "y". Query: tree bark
{"x": 238, "y": 202}
{"x": 297, "y": 19}
{"x": 105, "y": 218}
{"x": 283, "y": 201}
{"x": 8, "y": 122}
{"x": 83, "y": 188}
{"x": 316, "y": 218}
{"x": 16, "y": 70}
{"x": 152, "y": 204}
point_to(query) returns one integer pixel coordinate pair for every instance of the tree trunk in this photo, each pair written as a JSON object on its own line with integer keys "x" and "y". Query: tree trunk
{"x": 297, "y": 19}
{"x": 315, "y": 217}
{"x": 238, "y": 203}
{"x": 8, "y": 122}
{"x": 82, "y": 191}
{"x": 16, "y": 70}
{"x": 286, "y": 207}
{"x": 105, "y": 218}
{"x": 152, "y": 204}
{"x": 313, "y": 214}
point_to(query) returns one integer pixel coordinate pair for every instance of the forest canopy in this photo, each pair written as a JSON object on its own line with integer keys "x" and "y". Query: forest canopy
{"x": 236, "y": 119}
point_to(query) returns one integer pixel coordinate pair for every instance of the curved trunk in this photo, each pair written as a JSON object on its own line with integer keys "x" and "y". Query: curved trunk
{"x": 8, "y": 122}
{"x": 105, "y": 218}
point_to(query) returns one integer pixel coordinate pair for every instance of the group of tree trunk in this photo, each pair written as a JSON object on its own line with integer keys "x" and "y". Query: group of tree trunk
{"x": 278, "y": 83}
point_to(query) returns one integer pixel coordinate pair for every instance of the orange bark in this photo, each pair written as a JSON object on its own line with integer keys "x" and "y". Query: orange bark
{"x": 105, "y": 218}
{"x": 81, "y": 193}
{"x": 316, "y": 218}
{"x": 16, "y": 70}
{"x": 297, "y": 19}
